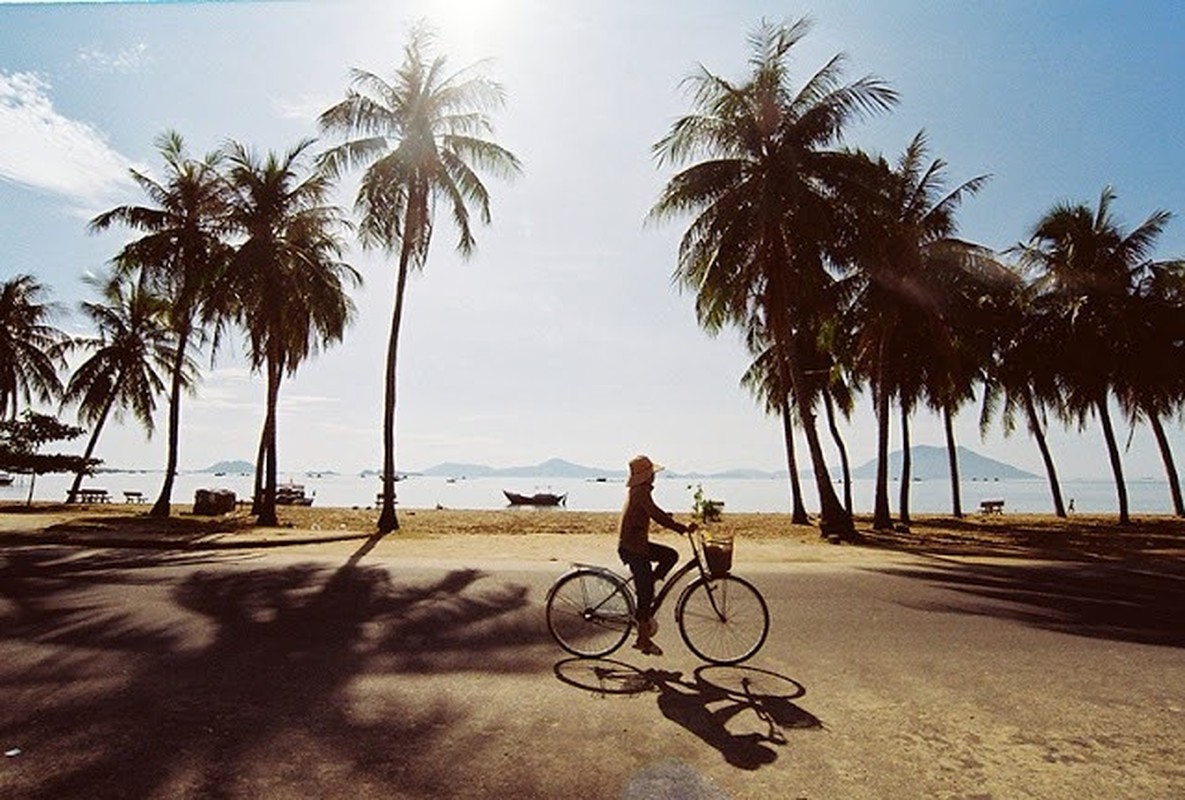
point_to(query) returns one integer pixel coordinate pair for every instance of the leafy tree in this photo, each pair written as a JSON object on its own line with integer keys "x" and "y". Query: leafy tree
{"x": 20, "y": 447}
{"x": 130, "y": 350}
{"x": 420, "y": 138}
{"x": 768, "y": 206}
{"x": 30, "y": 347}
{"x": 763, "y": 380}
{"x": 287, "y": 277}
{"x": 904, "y": 254}
{"x": 179, "y": 256}
{"x": 1087, "y": 267}
{"x": 1019, "y": 375}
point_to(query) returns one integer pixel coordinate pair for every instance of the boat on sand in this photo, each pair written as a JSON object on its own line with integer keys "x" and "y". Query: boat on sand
{"x": 537, "y": 499}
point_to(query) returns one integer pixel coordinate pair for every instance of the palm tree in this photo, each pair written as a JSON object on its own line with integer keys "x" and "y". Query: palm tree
{"x": 1019, "y": 373}
{"x": 904, "y": 244}
{"x": 1088, "y": 266}
{"x": 420, "y": 138}
{"x": 179, "y": 257}
{"x": 763, "y": 380}
{"x": 767, "y": 206}
{"x": 30, "y": 348}
{"x": 287, "y": 277}
{"x": 130, "y": 349}
{"x": 1152, "y": 387}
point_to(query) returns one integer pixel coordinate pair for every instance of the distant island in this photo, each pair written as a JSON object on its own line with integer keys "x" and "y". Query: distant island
{"x": 928, "y": 463}
{"x": 229, "y": 467}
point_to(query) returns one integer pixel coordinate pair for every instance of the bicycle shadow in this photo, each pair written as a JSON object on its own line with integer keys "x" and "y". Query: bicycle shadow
{"x": 742, "y": 712}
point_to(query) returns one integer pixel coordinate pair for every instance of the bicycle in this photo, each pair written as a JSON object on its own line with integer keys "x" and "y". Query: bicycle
{"x": 722, "y": 618}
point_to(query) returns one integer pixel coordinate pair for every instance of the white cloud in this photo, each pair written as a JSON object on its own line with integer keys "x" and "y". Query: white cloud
{"x": 125, "y": 61}
{"x": 45, "y": 150}
{"x": 305, "y": 108}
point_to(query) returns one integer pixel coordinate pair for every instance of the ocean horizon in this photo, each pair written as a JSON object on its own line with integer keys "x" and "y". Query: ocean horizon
{"x": 673, "y": 493}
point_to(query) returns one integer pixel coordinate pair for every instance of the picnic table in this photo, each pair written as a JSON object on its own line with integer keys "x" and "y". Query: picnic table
{"x": 133, "y": 497}
{"x": 92, "y": 495}
{"x": 992, "y": 507}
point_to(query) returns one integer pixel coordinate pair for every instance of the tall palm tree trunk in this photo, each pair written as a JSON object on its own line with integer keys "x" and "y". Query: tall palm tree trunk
{"x": 834, "y": 521}
{"x": 1166, "y": 455}
{"x": 881, "y": 518}
{"x": 94, "y": 439}
{"x": 260, "y": 459}
{"x": 388, "y": 520}
{"x": 161, "y": 507}
{"x": 1059, "y": 508}
{"x": 798, "y": 514}
{"x": 952, "y": 458}
{"x": 906, "y": 464}
{"x": 1113, "y": 454}
{"x": 267, "y": 504}
{"x": 845, "y": 466}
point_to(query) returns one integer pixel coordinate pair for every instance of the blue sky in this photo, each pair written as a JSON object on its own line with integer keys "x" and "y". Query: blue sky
{"x": 563, "y": 335}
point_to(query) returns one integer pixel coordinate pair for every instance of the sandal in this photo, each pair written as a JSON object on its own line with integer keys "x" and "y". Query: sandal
{"x": 649, "y": 648}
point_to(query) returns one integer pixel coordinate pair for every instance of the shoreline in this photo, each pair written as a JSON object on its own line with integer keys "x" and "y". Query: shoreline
{"x": 759, "y": 536}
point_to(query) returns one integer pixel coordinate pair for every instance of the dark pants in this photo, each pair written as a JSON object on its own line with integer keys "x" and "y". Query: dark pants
{"x": 664, "y": 559}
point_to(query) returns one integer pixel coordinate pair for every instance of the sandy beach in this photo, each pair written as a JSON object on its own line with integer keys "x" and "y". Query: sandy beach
{"x": 561, "y": 535}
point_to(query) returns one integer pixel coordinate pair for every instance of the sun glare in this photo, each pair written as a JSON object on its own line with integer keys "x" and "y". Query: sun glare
{"x": 476, "y": 25}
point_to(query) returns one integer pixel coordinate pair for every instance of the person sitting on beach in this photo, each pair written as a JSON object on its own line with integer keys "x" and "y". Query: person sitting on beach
{"x": 639, "y": 553}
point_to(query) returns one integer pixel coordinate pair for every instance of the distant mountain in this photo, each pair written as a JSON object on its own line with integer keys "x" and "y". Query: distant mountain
{"x": 230, "y": 466}
{"x": 552, "y": 468}
{"x": 930, "y": 463}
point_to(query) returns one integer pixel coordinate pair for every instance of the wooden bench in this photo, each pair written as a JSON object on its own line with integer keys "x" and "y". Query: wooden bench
{"x": 133, "y": 497}
{"x": 92, "y": 496}
{"x": 991, "y": 507}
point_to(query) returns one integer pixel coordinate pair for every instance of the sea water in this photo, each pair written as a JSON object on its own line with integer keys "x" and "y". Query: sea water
{"x": 672, "y": 493}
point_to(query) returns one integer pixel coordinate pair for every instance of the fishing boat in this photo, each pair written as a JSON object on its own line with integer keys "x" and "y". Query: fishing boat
{"x": 537, "y": 499}
{"x": 292, "y": 494}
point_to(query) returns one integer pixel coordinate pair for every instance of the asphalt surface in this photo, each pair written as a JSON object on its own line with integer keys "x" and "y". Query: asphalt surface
{"x": 350, "y": 669}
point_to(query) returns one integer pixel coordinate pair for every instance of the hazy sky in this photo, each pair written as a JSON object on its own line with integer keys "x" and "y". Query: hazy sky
{"x": 563, "y": 335}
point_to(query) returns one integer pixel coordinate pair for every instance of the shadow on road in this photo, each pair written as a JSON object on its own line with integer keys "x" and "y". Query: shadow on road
{"x": 1101, "y": 601}
{"x": 230, "y": 682}
{"x": 742, "y": 712}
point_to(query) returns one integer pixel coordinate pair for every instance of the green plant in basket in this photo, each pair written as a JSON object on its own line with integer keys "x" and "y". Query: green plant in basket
{"x": 718, "y": 542}
{"x": 704, "y": 510}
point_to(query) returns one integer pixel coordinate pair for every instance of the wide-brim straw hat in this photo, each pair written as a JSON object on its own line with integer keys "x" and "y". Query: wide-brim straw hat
{"x": 642, "y": 470}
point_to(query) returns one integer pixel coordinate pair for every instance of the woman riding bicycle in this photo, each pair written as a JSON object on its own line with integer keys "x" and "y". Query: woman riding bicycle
{"x": 639, "y": 553}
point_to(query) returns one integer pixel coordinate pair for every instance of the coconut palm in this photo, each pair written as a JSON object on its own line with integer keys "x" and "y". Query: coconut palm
{"x": 30, "y": 347}
{"x": 287, "y": 277}
{"x": 420, "y": 139}
{"x": 904, "y": 261}
{"x": 764, "y": 381}
{"x": 1019, "y": 374}
{"x": 1152, "y": 387}
{"x": 1087, "y": 266}
{"x": 767, "y": 205}
{"x": 130, "y": 350}
{"x": 179, "y": 257}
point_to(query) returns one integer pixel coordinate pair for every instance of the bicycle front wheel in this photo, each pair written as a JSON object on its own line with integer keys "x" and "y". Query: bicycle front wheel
{"x": 590, "y": 613}
{"x": 723, "y": 620}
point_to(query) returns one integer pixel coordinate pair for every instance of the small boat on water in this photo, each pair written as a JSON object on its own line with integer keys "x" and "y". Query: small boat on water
{"x": 292, "y": 494}
{"x": 537, "y": 499}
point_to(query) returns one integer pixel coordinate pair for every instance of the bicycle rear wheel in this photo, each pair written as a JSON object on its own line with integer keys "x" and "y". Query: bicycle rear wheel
{"x": 723, "y": 620}
{"x": 590, "y": 612}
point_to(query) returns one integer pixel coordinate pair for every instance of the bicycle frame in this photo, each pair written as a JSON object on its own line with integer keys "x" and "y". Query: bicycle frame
{"x": 697, "y": 561}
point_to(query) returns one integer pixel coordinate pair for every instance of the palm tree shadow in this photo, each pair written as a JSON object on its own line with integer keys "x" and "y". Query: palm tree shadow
{"x": 269, "y": 678}
{"x": 1103, "y": 601}
{"x": 735, "y": 710}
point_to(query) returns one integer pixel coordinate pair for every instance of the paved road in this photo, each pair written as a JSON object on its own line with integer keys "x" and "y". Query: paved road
{"x": 345, "y": 672}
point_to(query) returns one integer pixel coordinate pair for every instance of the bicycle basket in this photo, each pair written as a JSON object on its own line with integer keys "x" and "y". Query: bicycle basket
{"x": 718, "y": 552}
